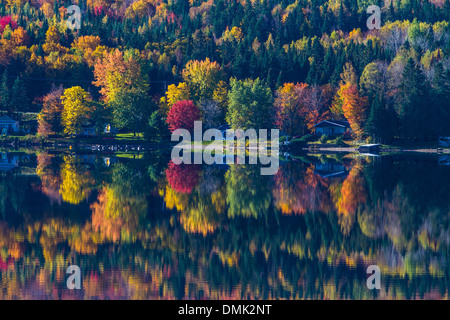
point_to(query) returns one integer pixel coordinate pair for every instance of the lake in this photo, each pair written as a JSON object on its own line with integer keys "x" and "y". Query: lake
{"x": 140, "y": 227}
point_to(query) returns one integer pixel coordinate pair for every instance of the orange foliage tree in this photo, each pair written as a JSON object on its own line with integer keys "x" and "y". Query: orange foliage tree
{"x": 290, "y": 105}
{"x": 355, "y": 109}
{"x": 115, "y": 72}
{"x": 49, "y": 119}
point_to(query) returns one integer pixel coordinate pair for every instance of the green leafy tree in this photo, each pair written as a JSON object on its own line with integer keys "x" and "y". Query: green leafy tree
{"x": 131, "y": 109}
{"x": 250, "y": 104}
{"x": 156, "y": 129}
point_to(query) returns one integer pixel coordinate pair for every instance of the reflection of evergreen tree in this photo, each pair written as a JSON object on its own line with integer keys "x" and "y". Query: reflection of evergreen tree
{"x": 247, "y": 191}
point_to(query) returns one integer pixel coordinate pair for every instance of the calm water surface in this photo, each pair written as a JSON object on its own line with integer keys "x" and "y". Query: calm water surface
{"x": 140, "y": 227}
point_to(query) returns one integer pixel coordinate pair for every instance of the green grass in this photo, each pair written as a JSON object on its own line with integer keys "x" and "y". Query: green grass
{"x": 419, "y": 145}
{"x": 129, "y": 137}
{"x": 129, "y": 155}
{"x": 123, "y": 138}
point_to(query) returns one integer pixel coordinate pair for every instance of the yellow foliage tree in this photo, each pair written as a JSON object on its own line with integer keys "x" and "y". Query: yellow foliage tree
{"x": 202, "y": 77}
{"x": 173, "y": 95}
{"x": 76, "y": 109}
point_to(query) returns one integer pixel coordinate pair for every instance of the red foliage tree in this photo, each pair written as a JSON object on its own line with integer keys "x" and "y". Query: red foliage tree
{"x": 182, "y": 115}
{"x": 183, "y": 178}
{"x": 4, "y": 21}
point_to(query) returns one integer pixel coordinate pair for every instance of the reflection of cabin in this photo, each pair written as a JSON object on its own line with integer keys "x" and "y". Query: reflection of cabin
{"x": 8, "y": 162}
{"x": 329, "y": 169}
{"x": 444, "y": 142}
{"x": 8, "y": 125}
{"x": 88, "y": 158}
{"x": 331, "y": 127}
{"x": 444, "y": 160}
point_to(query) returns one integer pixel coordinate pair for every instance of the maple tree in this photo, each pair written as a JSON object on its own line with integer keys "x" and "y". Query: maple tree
{"x": 76, "y": 109}
{"x": 7, "y": 21}
{"x": 175, "y": 93}
{"x": 290, "y": 104}
{"x": 116, "y": 72}
{"x": 249, "y": 104}
{"x": 49, "y": 119}
{"x": 355, "y": 109}
{"x": 202, "y": 78}
{"x": 182, "y": 116}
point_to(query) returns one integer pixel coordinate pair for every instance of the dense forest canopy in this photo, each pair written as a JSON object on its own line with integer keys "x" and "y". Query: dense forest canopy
{"x": 141, "y": 57}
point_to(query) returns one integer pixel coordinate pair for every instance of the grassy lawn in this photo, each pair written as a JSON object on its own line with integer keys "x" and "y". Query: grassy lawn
{"x": 129, "y": 155}
{"x": 419, "y": 145}
{"x": 129, "y": 137}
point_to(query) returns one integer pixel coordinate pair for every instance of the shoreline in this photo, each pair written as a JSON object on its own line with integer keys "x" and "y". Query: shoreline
{"x": 112, "y": 145}
{"x": 383, "y": 150}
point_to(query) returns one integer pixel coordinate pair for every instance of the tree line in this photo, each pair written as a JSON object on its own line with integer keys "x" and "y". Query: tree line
{"x": 298, "y": 61}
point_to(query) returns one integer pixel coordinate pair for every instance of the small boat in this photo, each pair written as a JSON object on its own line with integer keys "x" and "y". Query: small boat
{"x": 369, "y": 148}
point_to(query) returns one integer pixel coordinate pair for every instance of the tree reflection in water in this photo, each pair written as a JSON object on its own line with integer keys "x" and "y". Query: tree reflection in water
{"x": 146, "y": 228}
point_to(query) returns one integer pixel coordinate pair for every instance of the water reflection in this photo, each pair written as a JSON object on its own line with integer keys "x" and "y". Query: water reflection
{"x": 141, "y": 227}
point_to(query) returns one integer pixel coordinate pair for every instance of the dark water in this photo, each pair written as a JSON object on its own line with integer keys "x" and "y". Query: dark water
{"x": 143, "y": 228}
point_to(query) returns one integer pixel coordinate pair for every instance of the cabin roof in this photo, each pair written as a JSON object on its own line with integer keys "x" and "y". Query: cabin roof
{"x": 336, "y": 123}
{"x": 88, "y": 125}
{"x": 224, "y": 127}
{"x": 7, "y": 119}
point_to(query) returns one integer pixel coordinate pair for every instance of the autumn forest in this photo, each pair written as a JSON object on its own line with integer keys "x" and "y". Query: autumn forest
{"x": 87, "y": 178}
{"x": 284, "y": 64}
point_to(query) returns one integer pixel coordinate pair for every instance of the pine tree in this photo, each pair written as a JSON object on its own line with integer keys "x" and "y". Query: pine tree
{"x": 441, "y": 88}
{"x": 381, "y": 124}
{"x": 341, "y": 17}
{"x": 375, "y": 117}
{"x": 19, "y": 99}
{"x": 415, "y": 109}
{"x": 4, "y": 92}
{"x": 391, "y": 12}
{"x": 316, "y": 68}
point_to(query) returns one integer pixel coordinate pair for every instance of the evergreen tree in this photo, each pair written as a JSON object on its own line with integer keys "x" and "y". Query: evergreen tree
{"x": 415, "y": 109}
{"x": 441, "y": 86}
{"x": 4, "y": 92}
{"x": 391, "y": 12}
{"x": 381, "y": 124}
{"x": 19, "y": 99}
